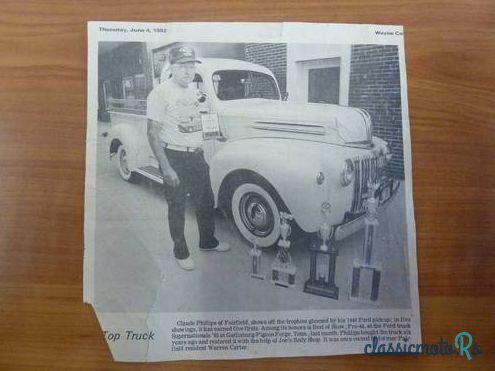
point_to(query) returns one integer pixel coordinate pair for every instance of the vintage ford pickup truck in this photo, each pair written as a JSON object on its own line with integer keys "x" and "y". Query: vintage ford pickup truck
{"x": 273, "y": 155}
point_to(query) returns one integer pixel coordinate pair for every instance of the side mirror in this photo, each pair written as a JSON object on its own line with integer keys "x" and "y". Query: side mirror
{"x": 285, "y": 95}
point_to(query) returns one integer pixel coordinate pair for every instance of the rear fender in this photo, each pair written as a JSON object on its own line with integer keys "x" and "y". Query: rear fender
{"x": 129, "y": 137}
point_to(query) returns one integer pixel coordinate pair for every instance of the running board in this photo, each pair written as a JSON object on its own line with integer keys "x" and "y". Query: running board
{"x": 151, "y": 172}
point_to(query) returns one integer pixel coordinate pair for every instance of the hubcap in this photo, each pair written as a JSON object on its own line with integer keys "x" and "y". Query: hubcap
{"x": 256, "y": 214}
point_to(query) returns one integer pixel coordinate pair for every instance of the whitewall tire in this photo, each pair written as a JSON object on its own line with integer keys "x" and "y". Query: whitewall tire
{"x": 123, "y": 166}
{"x": 256, "y": 214}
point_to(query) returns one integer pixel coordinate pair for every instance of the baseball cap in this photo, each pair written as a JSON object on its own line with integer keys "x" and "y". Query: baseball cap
{"x": 182, "y": 54}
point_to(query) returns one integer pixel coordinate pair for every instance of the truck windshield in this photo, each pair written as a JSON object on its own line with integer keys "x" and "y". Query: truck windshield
{"x": 233, "y": 84}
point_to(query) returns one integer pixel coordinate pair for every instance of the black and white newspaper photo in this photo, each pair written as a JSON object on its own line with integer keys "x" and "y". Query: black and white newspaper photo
{"x": 249, "y": 190}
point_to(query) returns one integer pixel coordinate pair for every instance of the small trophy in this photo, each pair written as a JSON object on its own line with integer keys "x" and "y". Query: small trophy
{"x": 255, "y": 254}
{"x": 283, "y": 271}
{"x": 323, "y": 256}
{"x": 365, "y": 275}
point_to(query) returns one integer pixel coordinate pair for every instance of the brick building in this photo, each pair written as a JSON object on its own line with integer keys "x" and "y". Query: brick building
{"x": 375, "y": 86}
{"x": 273, "y": 56}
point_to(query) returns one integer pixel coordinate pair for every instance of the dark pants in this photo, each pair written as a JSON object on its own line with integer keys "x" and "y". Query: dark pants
{"x": 194, "y": 176}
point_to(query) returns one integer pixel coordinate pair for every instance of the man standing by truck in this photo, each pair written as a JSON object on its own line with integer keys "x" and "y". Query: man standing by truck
{"x": 176, "y": 137}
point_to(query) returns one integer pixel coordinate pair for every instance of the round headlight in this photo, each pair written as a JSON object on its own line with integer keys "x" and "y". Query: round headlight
{"x": 347, "y": 173}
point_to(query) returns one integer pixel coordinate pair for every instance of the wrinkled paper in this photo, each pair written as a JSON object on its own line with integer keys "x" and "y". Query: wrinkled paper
{"x": 309, "y": 115}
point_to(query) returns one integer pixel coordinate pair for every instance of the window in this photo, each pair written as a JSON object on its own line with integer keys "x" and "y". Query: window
{"x": 134, "y": 87}
{"x": 322, "y": 81}
{"x": 128, "y": 87}
{"x": 324, "y": 85}
{"x": 234, "y": 84}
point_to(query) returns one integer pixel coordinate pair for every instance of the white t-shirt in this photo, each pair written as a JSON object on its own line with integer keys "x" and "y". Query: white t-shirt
{"x": 177, "y": 110}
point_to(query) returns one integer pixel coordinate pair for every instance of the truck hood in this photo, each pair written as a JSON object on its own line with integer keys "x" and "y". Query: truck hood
{"x": 315, "y": 121}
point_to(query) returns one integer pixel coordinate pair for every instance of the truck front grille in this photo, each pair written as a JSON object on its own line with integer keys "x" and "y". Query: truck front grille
{"x": 364, "y": 169}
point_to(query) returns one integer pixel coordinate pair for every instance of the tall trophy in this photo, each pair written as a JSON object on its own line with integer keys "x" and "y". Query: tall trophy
{"x": 323, "y": 256}
{"x": 255, "y": 255}
{"x": 366, "y": 275}
{"x": 283, "y": 271}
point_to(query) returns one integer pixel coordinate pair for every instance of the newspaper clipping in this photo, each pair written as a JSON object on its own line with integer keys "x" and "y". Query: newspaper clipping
{"x": 248, "y": 190}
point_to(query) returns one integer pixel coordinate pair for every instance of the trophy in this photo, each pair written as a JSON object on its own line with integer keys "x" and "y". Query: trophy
{"x": 283, "y": 271}
{"x": 365, "y": 275}
{"x": 323, "y": 256}
{"x": 255, "y": 254}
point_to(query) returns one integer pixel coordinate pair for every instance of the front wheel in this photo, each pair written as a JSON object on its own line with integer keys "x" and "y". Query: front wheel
{"x": 256, "y": 214}
{"x": 123, "y": 166}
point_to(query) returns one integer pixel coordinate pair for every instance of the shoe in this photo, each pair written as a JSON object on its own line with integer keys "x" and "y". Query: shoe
{"x": 221, "y": 247}
{"x": 186, "y": 264}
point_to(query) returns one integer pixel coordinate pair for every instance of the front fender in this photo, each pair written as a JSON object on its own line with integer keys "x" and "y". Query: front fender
{"x": 289, "y": 166}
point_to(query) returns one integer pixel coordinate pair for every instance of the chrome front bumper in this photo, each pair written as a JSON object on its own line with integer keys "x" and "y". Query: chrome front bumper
{"x": 353, "y": 224}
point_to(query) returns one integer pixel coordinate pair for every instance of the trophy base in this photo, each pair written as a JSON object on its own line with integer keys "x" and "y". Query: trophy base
{"x": 282, "y": 284}
{"x": 321, "y": 289}
{"x": 365, "y": 283}
{"x": 281, "y": 271}
{"x": 257, "y": 276}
